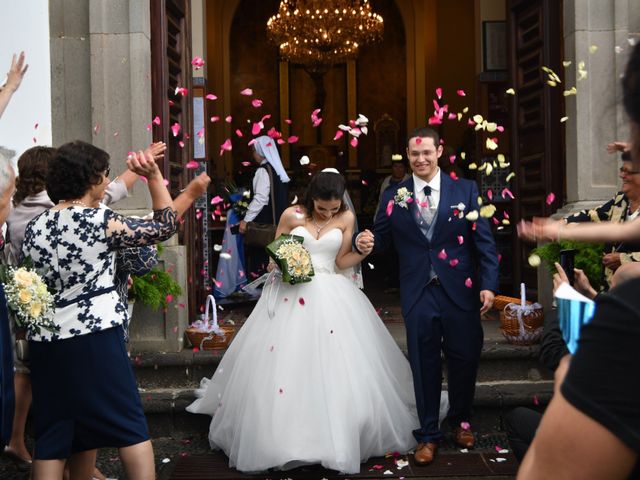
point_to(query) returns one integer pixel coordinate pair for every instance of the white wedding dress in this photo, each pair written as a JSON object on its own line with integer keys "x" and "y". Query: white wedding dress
{"x": 313, "y": 376}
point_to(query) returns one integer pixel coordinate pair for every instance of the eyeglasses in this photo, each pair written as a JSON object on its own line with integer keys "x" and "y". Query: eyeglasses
{"x": 624, "y": 171}
{"x": 107, "y": 171}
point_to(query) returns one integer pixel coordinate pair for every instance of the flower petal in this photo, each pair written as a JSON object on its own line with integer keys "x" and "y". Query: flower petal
{"x": 247, "y": 92}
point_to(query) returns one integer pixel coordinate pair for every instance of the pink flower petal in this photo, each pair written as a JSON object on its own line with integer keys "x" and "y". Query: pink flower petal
{"x": 192, "y": 164}
{"x": 452, "y": 158}
{"x": 239, "y": 133}
{"x": 301, "y": 301}
{"x": 149, "y": 127}
{"x": 200, "y": 133}
{"x": 226, "y": 146}
{"x": 216, "y": 199}
{"x": 338, "y": 135}
{"x": 389, "y": 207}
{"x": 228, "y": 119}
{"x": 442, "y": 255}
{"x": 181, "y": 143}
{"x": 255, "y": 130}
{"x": 468, "y": 283}
{"x": 292, "y": 139}
{"x": 505, "y": 192}
{"x": 439, "y": 92}
{"x": 550, "y": 198}
{"x": 35, "y": 127}
{"x": 490, "y": 194}
{"x": 215, "y": 119}
{"x": 460, "y": 240}
{"x": 175, "y": 128}
{"x": 288, "y": 121}
{"x": 245, "y": 164}
{"x": 435, "y": 120}
{"x": 156, "y": 120}
{"x": 169, "y": 298}
{"x": 453, "y": 262}
{"x": 281, "y": 141}
{"x": 465, "y": 425}
{"x": 256, "y": 103}
{"x": 365, "y": 183}
{"x": 461, "y": 93}
{"x": 247, "y": 92}
{"x": 418, "y": 141}
{"x": 211, "y": 96}
{"x": 453, "y": 176}
{"x": 197, "y": 63}
{"x": 452, "y": 116}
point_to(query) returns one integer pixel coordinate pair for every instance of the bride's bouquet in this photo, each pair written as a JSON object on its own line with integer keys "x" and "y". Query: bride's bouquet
{"x": 293, "y": 260}
{"x": 28, "y": 298}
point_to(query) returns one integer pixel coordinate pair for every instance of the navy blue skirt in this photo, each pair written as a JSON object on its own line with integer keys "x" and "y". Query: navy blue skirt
{"x": 84, "y": 395}
{"x": 6, "y": 373}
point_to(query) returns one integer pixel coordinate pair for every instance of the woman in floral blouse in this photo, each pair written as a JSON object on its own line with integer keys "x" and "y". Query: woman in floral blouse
{"x": 84, "y": 392}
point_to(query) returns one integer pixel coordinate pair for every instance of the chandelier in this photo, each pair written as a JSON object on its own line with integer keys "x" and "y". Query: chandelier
{"x": 323, "y": 32}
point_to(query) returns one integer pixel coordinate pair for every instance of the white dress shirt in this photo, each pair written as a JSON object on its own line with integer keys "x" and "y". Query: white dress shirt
{"x": 261, "y": 191}
{"x": 419, "y": 184}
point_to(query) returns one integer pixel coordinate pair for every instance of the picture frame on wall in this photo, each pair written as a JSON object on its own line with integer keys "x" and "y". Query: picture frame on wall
{"x": 494, "y": 46}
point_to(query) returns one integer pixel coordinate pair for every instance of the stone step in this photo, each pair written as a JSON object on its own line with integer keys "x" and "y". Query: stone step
{"x": 166, "y": 415}
{"x": 500, "y": 361}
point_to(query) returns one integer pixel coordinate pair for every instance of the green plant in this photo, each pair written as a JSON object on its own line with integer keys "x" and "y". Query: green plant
{"x": 588, "y": 258}
{"x": 154, "y": 289}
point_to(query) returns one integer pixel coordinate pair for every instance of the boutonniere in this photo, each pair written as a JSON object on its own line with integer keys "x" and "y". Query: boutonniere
{"x": 403, "y": 197}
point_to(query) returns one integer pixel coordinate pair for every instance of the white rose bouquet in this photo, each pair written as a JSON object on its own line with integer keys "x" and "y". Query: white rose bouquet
{"x": 292, "y": 258}
{"x": 28, "y": 297}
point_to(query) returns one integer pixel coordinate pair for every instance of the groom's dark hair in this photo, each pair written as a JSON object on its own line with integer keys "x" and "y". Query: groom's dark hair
{"x": 325, "y": 186}
{"x": 424, "y": 132}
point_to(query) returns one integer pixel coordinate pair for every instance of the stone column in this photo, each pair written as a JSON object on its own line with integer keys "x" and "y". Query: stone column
{"x": 120, "y": 80}
{"x": 70, "y": 71}
{"x": 596, "y": 116}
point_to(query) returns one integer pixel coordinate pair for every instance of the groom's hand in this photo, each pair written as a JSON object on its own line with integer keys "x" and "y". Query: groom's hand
{"x": 364, "y": 242}
{"x": 486, "y": 297}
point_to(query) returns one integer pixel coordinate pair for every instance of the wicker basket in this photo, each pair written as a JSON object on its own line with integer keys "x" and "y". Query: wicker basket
{"x": 532, "y": 324}
{"x": 502, "y": 301}
{"x": 208, "y": 335}
{"x": 209, "y": 340}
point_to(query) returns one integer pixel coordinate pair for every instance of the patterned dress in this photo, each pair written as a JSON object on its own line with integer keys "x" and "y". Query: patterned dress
{"x": 84, "y": 391}
{"x": 617, "y": 210}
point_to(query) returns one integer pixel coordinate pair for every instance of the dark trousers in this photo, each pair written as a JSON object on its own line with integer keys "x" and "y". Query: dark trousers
{"x": 436, "y": 324}
{"x": 256, "y": 262}
{"x": 521, "y": 424}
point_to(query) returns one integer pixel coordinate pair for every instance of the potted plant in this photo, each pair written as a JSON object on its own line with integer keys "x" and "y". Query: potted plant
{"x": 588, "y": 258}
{"x": 154, "y": 289}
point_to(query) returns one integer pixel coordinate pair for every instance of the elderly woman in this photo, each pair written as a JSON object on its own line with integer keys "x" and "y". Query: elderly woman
{"x": 84, "y": 391}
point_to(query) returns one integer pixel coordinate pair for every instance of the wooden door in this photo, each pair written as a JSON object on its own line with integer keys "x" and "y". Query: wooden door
{"x": 537, "y": 135}
{"x": 170, "y": 69}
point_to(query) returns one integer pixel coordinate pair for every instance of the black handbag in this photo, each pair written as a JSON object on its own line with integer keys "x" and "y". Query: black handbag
{"x": 262, "y": 234}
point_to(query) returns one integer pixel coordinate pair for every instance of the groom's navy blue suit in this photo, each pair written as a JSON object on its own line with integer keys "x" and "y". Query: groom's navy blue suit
{"x": 442, "y": 314}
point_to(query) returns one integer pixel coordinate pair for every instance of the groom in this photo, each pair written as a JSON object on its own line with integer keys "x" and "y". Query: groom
{"x": 448, "y": 276}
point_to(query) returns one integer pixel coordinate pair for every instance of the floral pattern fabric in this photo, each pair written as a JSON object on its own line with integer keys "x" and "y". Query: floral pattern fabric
{"x": 75, "y": 248}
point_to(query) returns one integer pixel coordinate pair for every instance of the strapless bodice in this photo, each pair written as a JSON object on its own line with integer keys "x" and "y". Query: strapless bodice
{"x": 323, "y": 250}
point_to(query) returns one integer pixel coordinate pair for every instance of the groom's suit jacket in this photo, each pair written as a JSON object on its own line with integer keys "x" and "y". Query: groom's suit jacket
{"x": 470, "y": 243}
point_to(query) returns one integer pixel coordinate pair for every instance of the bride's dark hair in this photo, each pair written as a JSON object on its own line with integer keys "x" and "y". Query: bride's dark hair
{"x": 325, "y": 186}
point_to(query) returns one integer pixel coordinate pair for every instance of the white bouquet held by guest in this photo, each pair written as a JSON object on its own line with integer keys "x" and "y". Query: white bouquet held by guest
{"x": 28, "y": 297}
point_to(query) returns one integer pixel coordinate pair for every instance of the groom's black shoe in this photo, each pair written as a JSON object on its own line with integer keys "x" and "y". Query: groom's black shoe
{"x": 425, "y": 453}
{"x": 464, "y": 438}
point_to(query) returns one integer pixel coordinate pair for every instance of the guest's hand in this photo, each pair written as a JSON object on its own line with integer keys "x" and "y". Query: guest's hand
{"x": 540, "y": 229}
{"x": 198, "y": 186}
{"x": 612, "y": 261}
{"x": 242, "y": 226}
{"x": 16, "y": 73}
{"x": 143, "y": 164}
{"x": 486, "y": 297}
{"x": 365, "y": 241}
{"x": 580, "y": 281}
{"x": 614, "y": 147}
{"x": 156, "y": 150}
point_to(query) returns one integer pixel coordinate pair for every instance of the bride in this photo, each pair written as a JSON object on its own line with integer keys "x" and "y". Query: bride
{"x": 313, "y": 376}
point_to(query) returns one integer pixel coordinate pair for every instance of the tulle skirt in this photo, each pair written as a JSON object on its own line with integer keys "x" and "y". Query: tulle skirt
{"x": 313, "y": 376}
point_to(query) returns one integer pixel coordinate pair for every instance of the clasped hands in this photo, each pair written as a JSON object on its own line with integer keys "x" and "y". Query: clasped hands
{"x": 144, "y": 162}
{"x": 364, "y": 242}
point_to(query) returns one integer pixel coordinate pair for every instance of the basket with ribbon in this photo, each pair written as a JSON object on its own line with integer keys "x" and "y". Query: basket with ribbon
{"x": 522, "y": 322}
{"x": 206, "y": 334}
